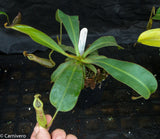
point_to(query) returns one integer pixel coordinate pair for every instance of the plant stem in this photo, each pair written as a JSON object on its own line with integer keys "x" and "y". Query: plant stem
{"x": 54, "y": 116}
{"x": 135, "y": 98}
{"x": 50, "y": 58}
{"x": 60, "y": 33}
{"x": 72, "y": 56}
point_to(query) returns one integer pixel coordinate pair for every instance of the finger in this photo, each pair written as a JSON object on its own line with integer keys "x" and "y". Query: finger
{"x": 70, "y": 136}
{"x": 43, "y": 134}
{"x": 40, "y": 133}
{"x": 58, "y": 133}
{"x": 49, "y": 118}
{"x": 37, "y": 128}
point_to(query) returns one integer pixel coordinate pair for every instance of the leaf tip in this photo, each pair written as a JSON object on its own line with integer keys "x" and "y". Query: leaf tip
{"x": 120, "y": 47}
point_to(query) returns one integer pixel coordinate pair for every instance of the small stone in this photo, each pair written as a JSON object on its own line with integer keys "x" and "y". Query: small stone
{"x": 5, "y": 70}
{"x": 26, "y": 90}
{"x": 16, "y": 75}
{"x": 12, "y": 78}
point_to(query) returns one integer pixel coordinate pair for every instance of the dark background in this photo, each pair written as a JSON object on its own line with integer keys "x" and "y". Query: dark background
{"x": 115, "y": 115}
{"x": 121, "y": 18}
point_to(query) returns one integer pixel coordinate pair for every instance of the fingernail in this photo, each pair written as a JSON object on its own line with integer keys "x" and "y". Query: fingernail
{"x": 59, "y": 137}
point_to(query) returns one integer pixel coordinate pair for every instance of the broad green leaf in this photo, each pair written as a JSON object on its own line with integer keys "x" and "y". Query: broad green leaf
{"x": 3, "y": 13}
{"x": 71, "y": 24}
{"x": 101, "y": 42}
{"x": 157, "y": 15}
{"x": 55, "y": 75}
{"x": 38, "y": 37}
{"x": 68, "y": 48}
{"x": 131, "y": 74}
{"x": 150, "y": 37}
{"x": 95, "y": 53}
{"x": 67, "y": 87}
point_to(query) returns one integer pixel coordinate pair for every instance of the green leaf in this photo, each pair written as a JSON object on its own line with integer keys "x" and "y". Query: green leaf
{"x": 84, "y": 75}
{"x": 71, "y": 24}
{"x": 38, "y": 37}
{"x": 131, "y": 74}
{"x": 55, "y": 75}
{"x": 157, "y": 15}
{"x": 150, "y": 37}
{"x": 92, "y": 68}
{"x": 57, "y": 16}
{"x": 68, "y": 48}
{"x": 67, "y": 87}
{"x": 101, "y": 42}
{"x": 3, "y": 13}
{"x": 94, "y": 53}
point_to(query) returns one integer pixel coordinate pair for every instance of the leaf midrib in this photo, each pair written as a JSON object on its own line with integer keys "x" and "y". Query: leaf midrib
{"x": 127, "y": 74}
{"x": 65, "y": 91}
{"x": 110, "y": 43}
{"x": 73, "y": 31}
{"x": 48, "y": 43}
{"x": 92, "y": 47}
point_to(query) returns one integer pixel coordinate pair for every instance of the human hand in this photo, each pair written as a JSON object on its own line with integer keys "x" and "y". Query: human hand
{"x": 42, "y": 133}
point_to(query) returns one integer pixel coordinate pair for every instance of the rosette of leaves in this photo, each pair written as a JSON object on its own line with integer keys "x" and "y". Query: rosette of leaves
{"x": 69, "y": 77}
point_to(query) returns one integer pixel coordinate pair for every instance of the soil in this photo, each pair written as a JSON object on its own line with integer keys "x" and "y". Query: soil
{"x": 114, "y": 116}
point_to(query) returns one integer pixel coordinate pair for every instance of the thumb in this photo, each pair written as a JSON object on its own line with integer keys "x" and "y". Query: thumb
{"x": 41, "y": 133}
